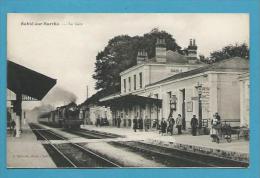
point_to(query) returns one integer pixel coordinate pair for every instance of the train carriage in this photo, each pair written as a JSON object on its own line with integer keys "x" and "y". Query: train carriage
{"x": 45, "y": 118}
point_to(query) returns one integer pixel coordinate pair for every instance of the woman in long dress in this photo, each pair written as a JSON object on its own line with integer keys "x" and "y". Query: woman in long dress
{"x": 214, "y": 133}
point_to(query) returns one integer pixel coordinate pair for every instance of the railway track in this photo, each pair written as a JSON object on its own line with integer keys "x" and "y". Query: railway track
{"x": 177, "y": 158}
{"x": 167, "y": 156}
{"x": 70, "y": 155}
{"x": 90, "y": 134}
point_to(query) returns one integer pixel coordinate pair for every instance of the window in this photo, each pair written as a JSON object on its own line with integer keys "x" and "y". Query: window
{"x": 134, "y": 82}
{"x": 124, "y": 85}
{"x": 129, "y": 83}
{"x": 169, "y": 96}
{"x": 141, "y": 79}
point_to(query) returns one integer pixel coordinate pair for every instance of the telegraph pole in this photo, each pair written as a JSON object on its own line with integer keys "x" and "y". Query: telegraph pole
{"x": 87, "y": 91}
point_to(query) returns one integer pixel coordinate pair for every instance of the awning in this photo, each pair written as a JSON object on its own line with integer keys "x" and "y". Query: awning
{"x": 130, "y": 100}
{"x": 28, "y": 82}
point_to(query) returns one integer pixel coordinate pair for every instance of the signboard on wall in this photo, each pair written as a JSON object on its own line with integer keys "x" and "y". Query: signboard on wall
{"x": 205, "y": 101}
{"x": 205, "y": 93}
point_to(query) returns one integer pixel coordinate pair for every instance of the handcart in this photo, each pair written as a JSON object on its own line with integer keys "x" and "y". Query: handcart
{"x": 220, "y": 132}
{"x": 226, "y": 132}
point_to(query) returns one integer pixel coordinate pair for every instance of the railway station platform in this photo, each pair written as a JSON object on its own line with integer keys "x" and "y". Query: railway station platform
{"x": 238, "y": 149}
{"x": 26, "y": 151}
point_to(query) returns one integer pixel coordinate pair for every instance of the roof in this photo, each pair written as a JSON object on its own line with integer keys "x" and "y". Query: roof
{"x": 28, "y": 82}
{"x": 94, "y": 99}
{"x": 71, "y": 104}
{"x": 173, "y": 57}
{"x": 232, "y": 64}
{"x": 130, "y": 100}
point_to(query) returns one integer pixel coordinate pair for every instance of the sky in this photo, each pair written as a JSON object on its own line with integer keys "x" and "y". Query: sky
{"x": 64, "y": 46}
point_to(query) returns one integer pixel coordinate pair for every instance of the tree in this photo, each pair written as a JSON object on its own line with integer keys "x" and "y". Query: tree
{"x": 116, "y": 56}
{"x": 121, "y": 53}
{"x": 230, "y": 51}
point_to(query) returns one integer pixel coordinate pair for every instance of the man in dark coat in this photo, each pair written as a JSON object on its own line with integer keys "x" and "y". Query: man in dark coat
{"x": 119, "y": 122}
{"x": 194, "y": 125}
{"x": 146, "y": 123}
{"x": 135, "y": 123}
{"x": 163, "y": 126}
{"x": 141, "y": 123}
{"x": 179, "y": 123}
{"x": 13, "y": 130}
{"x": 98, "y": 121}
{"x": 171, "y": 122}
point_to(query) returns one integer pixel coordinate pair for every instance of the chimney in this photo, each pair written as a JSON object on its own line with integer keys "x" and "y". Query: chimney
{"x": 190, "y": 42}
{"x": 160, "y": 50}
{"x": 192, "y": 51}
{"x": 141, "y": 56}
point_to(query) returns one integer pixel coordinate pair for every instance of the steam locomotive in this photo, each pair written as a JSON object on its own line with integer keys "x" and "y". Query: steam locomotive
{"x": 66, "y": 116}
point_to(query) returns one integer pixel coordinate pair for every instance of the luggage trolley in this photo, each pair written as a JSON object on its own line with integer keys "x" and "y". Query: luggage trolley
{"x": 220, "y": 132}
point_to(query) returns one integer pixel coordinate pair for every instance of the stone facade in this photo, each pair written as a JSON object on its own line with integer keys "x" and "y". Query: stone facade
{"x": 244, "y": 99}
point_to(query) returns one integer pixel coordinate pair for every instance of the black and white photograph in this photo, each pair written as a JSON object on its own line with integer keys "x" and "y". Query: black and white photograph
{"x": 128, "y": 90}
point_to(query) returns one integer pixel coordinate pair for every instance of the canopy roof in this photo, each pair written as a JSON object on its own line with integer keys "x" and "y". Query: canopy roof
{"x": 130, "y": 100}
{"x": 71, "y": 104}
{"x": 22, "y": 80}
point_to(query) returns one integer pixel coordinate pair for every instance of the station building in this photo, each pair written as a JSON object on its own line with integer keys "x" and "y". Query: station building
{"x": 90, "y": 109}
{"x": 171, "y": 83}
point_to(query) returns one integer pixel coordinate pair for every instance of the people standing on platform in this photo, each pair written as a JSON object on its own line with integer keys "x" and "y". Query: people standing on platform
{"x": 146, "y": 123}
{"x": 98, "y": 121}
{"x": 141, "y": 123}
{"x": 119, "y": 122}
{"x": 218, "y": 117}
{"x": 115, "y": 121}
{"x": 12, "y": 127}
{"x": 215, "y": 127}
{"x": 163, "y": 126}
{"x": 194, "y": 125}
{"x": 135, "y": 123}
{"x": 9, "y": 119}
{"x": 170, "y": 127}
{"x": 179, "y": 124}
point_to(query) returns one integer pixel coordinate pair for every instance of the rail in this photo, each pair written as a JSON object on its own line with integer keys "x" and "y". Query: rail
{"x": 75, "y": 145}
{"x": 55, "y": 148}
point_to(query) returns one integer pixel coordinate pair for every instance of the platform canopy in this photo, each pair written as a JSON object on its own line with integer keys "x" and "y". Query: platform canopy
{"x": 130, "y": 100}
{"x": 24, "y": 81}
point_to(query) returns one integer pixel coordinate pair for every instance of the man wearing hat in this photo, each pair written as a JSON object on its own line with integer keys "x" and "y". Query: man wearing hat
{"x": 194, "y": 125}
{"x": 218, "y": 117}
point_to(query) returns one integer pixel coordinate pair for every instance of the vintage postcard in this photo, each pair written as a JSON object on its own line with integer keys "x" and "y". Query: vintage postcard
{"x": 104, "y": 90}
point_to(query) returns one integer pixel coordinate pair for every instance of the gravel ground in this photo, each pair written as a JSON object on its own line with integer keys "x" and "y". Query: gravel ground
{"x": 122, "y": 156}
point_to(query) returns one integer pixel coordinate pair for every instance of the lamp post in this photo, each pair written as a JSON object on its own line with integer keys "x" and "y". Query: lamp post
{"x": 199, "y": 88}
